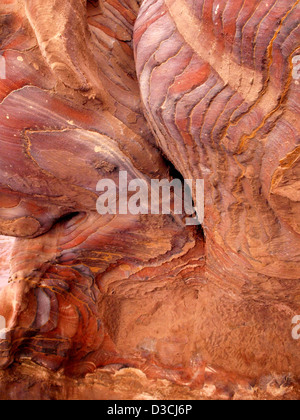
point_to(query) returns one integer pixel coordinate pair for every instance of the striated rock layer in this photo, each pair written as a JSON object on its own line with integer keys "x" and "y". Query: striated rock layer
{"x": 143, "y": 306}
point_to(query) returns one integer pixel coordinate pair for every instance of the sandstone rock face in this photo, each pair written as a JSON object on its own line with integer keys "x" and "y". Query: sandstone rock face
{"x": 164, "y": 89}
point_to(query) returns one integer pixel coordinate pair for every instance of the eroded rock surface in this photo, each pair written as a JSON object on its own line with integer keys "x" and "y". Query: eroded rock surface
{"x": 204, "y": 89}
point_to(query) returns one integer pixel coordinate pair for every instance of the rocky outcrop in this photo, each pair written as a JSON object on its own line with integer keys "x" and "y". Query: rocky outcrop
{"x": 168, "y": 89}
{"x": 218, "y": 87}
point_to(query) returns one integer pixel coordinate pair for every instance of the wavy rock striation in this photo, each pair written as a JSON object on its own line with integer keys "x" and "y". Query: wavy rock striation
{"x": 201, "y": 90}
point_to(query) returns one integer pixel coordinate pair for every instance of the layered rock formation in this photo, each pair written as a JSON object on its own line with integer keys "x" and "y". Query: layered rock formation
{"x": 166, "y": 89}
